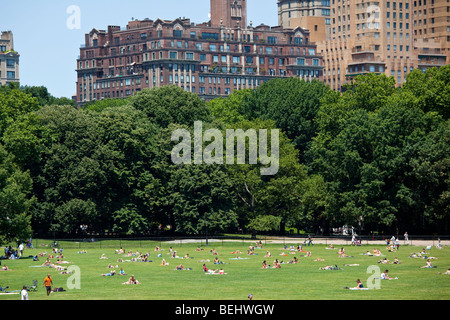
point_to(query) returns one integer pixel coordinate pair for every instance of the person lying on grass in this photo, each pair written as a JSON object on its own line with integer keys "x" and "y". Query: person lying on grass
{"x": 330, "y": 268}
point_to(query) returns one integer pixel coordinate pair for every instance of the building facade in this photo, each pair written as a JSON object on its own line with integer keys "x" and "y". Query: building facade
{"x": 210, "y": 59}
{"x": 313, "y": 15}
{"x": 390, "y": 37}
{"x": 9, "y": 59}
{"x": 431, "y": 23}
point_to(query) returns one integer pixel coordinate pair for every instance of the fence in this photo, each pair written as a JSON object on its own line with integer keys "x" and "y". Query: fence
{"x": 130, "y": 243}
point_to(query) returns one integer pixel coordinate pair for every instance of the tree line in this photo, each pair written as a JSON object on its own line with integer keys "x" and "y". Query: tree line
{"x": 374, "y": 156}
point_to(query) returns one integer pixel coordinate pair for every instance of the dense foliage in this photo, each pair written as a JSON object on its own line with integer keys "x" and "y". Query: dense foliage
{"x": 375, "y": 156}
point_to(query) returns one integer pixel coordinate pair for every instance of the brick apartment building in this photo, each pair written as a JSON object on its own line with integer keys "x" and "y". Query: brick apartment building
{"x": 211, "y": 59}
{"x": 9, "y": 59}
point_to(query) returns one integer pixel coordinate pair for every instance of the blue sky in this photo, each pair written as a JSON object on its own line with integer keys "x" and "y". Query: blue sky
{"x": 49, "y": 49}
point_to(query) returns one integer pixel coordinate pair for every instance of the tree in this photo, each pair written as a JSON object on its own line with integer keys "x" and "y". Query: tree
{"x": 228, "y": 110}
{"x": 15, "y": 200}
{"x": 170, "y": 104}
{"x": 275, "y": 195}
{"x": 431, "y": 89}
{"x": 292, "y": 104}
{"x": 14, "y": 104}
{"x": 365, "y": 149}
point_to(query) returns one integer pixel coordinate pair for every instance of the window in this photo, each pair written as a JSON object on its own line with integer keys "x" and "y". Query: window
{"x": 208, "y": 35}
{"x": 173, "y": 55}
{"x": 177, "y": 33}
{"x": 272, "y": 40}
{"x": 189, "y": 56}
{"x": 11, "y": 74}
{"x": 10, "y": 63}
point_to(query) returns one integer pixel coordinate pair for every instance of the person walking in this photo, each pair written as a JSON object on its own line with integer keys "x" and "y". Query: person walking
{"x": 48, "y": 282}
{"x": 24, "y": 293}
{"x": 310, "y": 240}
{"x": 21, "y": 249}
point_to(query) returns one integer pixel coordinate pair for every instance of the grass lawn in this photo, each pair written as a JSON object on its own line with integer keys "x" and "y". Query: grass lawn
{"x": 301, "y": 281}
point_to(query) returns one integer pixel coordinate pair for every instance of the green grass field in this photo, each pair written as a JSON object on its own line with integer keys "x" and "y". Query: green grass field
{"x": 302, "y": 281}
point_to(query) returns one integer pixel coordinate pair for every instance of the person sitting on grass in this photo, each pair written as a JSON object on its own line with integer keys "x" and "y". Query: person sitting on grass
{"x": 47, "y": 263}
{"x": 180, "y": 267}
{"x": 122, "y": 272}
{"x": 385, "y": 276}
{"x": 132, "y": 280}
{"x": 276, "y": 264}
{"x": 428, "y": 265}
{"x": 5, "y": 268}
{"x": 359, "y": 285}
{"x": 342, "y": 254}
{"x": 383, "y": 261}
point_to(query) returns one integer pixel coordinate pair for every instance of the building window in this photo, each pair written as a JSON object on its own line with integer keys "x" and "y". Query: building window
{"x": 208, "y": 35}
{"x": 272, "y": 40}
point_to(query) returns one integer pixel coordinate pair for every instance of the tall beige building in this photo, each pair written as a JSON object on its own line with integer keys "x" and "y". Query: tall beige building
{"x": 313, "y": 15}
{"x": 368, "y": 37}
{"x": 390, "y": 37}
{"x": 431, "y": 32}
{"x": 9, "y": 59}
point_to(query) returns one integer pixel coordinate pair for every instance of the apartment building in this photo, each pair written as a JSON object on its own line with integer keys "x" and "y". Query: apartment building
{"x": 368, "y": 37}
{"x": 9, "y": 59}
{"x": 431, "y": 32}
{"x": 313, "y": 15}
{"x": 390, "y": 37}
{"x": 211, "y": 59}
